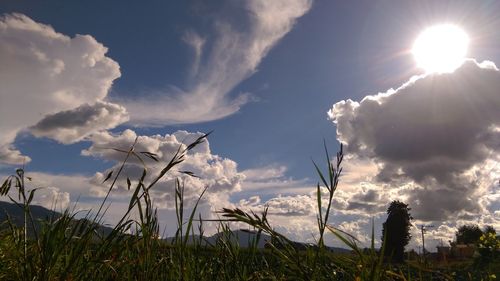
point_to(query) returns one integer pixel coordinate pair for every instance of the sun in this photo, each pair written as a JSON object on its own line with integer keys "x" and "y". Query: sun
{"x": 441, "y": 48}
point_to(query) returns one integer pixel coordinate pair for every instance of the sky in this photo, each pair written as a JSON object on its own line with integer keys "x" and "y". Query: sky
{"x": 273, "y": 80}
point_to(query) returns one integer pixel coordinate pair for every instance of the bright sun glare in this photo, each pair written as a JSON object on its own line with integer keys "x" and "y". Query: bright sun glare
{"x": 440, "y": 48}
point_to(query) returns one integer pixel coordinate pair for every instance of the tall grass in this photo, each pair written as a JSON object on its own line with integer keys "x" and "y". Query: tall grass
{"x": 69, "y": 248}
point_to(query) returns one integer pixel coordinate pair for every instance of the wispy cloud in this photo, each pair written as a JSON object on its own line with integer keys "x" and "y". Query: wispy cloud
{"x": 196, "y": 42}
{"x": 233, "y": 56}
{"x": 265, "y": 173}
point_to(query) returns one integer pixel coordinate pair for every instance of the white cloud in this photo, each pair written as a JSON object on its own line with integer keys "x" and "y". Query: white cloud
{"x": 271, "y": 180}
{"x": 51, "y": 198}
{"x": 265, "y": 173}
{"x": 196, "y": 42}
{"x": 294, "y": 205}
{"x": 54, "y": 191}
{"x": 44, "y": 72}
{"x": 12, "y": 156}
{"x": 234, "y": 56}
{"x": 358, "y": 229}
{"x": 434, "y": 141}
{"x": 71, "y": 126}
{"x": 219, "y": 174}
{"x": 292, "y": 214}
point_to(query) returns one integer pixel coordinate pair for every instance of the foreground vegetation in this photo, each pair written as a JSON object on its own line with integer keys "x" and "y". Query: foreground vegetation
{"x": 66, "y": 248}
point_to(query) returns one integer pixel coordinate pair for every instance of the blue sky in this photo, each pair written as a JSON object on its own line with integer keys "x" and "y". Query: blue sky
{"x": 317, "y": 63}
{"x": 262, "y": 77}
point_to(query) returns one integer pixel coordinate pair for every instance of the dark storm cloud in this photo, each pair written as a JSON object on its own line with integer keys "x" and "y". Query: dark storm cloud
{"x": 431, "y": 131}
{"x": 367, "y": 202}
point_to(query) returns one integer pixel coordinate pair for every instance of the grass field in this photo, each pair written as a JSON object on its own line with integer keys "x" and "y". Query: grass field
{"x": 64, "y": 248}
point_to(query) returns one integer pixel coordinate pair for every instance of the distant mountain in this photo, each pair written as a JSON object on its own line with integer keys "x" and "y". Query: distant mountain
{"x": 39, "y": 213}
{"x": 244, "y": 238}
{"x": 16, "y": 213}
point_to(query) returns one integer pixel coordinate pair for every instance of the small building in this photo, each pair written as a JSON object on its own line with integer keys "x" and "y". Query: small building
{"x": 412, "y": 255}
{"x": 462, "y": 251}
{"x": 443, "y": 253}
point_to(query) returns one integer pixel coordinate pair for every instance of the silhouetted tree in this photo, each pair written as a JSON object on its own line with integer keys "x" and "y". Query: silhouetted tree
{"x": 468, "y": 234}
{"x": 396, "y": 230}
{"x": 489, "y": 229}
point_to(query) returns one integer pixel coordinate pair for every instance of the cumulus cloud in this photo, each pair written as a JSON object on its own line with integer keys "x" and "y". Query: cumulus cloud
{"x": 55, "y": 191}
{"x": 218, "y": 174}
{"x": 51, "y": 198}
{"x": 292, "y": 213}
{"x": 431, "y": 139}
{"x": 358, "y": 229}
{"x": 44, "y": 72}
{"x": 233, "y": 56}
{"x": 12, "y": 156}
{"x": 293, "y": 205}
{"x": 73, "y": 125}
{"x": 365, "y": 201}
